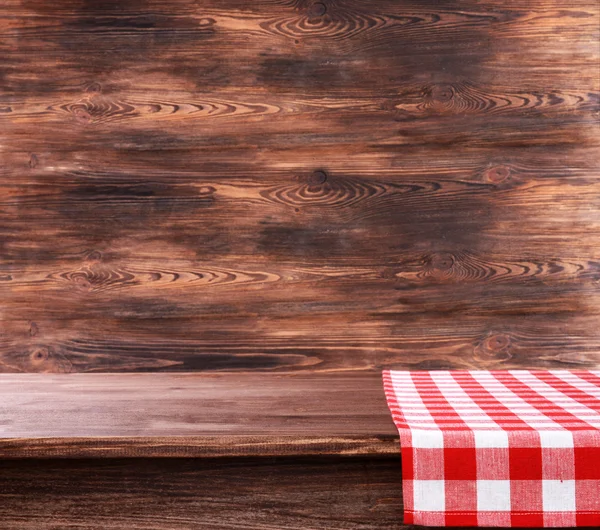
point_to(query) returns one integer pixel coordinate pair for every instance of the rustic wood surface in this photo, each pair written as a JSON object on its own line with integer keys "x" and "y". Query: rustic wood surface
{"x": 176, "y": 415}
{"x": 262, "y": 494}
{"x": 294, "y": 185}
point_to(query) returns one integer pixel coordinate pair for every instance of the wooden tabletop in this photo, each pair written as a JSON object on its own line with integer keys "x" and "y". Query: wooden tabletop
{"x": 118, "y": 415}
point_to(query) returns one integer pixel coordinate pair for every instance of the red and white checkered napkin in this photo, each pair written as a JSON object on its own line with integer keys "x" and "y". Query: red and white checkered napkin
{"x": 498, "y": 448}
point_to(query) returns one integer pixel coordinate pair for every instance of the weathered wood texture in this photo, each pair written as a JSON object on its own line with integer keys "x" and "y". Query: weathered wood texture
{"x": 292, "y": 185}
{"x": 199, "y": 415}
{"x": 262, "y": 494}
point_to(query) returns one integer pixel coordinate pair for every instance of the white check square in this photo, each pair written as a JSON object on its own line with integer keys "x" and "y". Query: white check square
{"x": 427, "y": 439}
{"x": 490, "y": 439}
{"x": 429, "y": 496}
{"x": 558, "y": 495}
{"x": 493, "y": 495}
{"x": 556, "y": 439}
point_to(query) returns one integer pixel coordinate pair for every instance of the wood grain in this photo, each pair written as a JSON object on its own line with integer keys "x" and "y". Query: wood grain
{"x": 335, "y": 185}
{"x": 193, "y": 415}
{"x": 347, "y": 341}
{"x": 224, "y": 494}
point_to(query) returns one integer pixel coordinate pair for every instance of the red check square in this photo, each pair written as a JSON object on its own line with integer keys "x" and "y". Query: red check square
{"x": 460, "y": 464}
{"x": 408, "y": 468}
{"x": 527, "y": 519}
{"x": 461, "y": 519}
{"x": 587, "y": 463}
{"x": 525, "y": 463}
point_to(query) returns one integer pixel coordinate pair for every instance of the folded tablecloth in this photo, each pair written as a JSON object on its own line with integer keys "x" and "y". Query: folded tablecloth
{"x": 498, "y": 448}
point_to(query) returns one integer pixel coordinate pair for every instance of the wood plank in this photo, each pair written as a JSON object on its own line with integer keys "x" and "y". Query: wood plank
{"x": 220, "y": 494}
{"x": 326, "y": 342}
{"x": 341, "y": 342}
{"x": 186, "y": 415}
{"x": 289, "y": 45}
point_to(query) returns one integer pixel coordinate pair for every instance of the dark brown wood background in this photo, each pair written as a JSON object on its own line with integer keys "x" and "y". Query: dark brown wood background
{"x": 291, "y": 185}
{"x": 195, "y": 494}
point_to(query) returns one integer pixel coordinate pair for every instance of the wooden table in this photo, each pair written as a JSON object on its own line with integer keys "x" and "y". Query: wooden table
{"x": 174, "y": 451}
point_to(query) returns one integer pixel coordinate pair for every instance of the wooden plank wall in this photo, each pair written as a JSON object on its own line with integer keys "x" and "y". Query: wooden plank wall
{"x": 289, "y": 185}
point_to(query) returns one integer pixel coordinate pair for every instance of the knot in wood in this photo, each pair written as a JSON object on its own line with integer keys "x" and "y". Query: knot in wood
{"x": 442, "y": 93}
{"x": 318, "y": 9}
{"x": 81, "y": 282}
{"x": 39, "y": 355}
{"x": 94, "y": 88}
{"x": 317, "y": 178}
{"x": 498, "y": 174}
{"x": 496, "y": 346}
{"x": 206, "y": 190}
{"x": 497, "y": 342}
{"x": 388, "y": 273}
{"x": 442, "y": 261}
{"x": 82, "y": 115}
